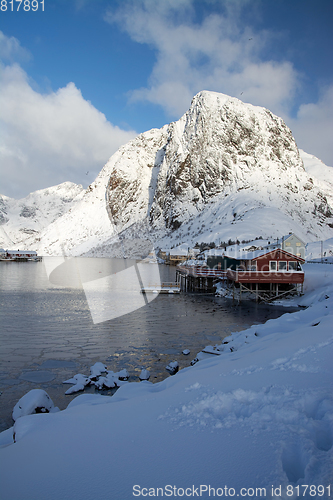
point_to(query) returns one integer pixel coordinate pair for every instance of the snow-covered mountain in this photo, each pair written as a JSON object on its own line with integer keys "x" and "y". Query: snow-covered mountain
{"x": 317, "y": 169}
{"x": 226, "y": 169}
{"x": 21, "y": 219}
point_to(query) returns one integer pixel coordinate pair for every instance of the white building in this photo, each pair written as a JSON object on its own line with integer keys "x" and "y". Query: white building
{"x": 20, "y": 254}
{"x": 290, "y": 243}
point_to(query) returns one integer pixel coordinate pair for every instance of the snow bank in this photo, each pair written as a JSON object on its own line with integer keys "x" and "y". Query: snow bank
{"x": 259, "y": 415}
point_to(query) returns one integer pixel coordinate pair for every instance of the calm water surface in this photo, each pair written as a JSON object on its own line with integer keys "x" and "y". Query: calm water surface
{"x": 47, "y": 333}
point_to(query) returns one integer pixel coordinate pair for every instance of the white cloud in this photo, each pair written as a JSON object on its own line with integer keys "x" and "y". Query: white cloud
{"x": 217, "y": 54}
{"x": 313, "y": 127}
{"x": 11, "y": 50}
{"x": 220, "y": 53}
{"x": 49, "y": 138}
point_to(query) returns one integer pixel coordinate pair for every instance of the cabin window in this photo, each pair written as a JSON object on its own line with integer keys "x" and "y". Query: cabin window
{"x": 272, "y": 265}
{"x": 253, "y": 266}
{"x": 292, "y": 265}
{"x": 282, "y": 265}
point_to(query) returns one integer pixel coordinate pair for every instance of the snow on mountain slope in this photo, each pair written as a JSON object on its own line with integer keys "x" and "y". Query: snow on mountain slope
{"x": 94, "y": 220}
{"x": 226, "y": 169}
{"x": 86, "y": 224}
{"x": 19, "y": 219}
{"x": 317, "y": 168}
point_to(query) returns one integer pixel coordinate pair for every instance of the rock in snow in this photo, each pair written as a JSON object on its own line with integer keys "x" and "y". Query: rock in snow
{"x": 97, "y": 369}
{"x": 172, "y": 367}
{"x": 108, "y": 381}
{"x": 80, "y": 382}
{"x": 123, "y": 375}
{"x": 35, "y": 401}
{"x": 144, "y": 375}
{"x": 224, "y": 170}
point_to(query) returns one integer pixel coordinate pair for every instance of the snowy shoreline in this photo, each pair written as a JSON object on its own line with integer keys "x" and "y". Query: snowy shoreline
{"x": 256, "y": 415}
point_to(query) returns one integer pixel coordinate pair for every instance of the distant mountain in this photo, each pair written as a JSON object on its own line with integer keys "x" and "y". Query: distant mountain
{"x": 21, "y": 219}
{"x": 226, "y": 169}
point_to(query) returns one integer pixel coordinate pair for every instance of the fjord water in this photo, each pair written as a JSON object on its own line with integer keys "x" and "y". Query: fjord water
{"x": 47, "y": 333}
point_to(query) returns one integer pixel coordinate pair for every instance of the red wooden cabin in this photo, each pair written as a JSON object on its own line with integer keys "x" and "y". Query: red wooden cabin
{"x": 269, "y": 270}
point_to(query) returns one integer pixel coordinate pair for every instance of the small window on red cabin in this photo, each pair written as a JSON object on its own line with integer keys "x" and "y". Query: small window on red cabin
{"x": 292, "y": 265}
{"x": 272, "y": 265}
{"x": 282, "y": 265}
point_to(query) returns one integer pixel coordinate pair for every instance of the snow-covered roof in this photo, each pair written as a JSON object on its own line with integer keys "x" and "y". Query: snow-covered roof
{"x": 253, "y": 255}
{"x": 236, "y": 252}
{"x": 183, "y": 249}
{"x": 259, "y": 253}
{"x": 22, "y": 252}
{"x": 239, "y": 254}
{"x": 216, "y": 252}
{"x": 178, "y": 251}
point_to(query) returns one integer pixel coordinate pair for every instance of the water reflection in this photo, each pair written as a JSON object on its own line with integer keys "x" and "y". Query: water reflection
{"x": 113, "y": 287}
{"x": 47, "y": 327}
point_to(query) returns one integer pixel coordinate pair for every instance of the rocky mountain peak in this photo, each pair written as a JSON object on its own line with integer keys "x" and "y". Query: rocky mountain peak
{"x": 217, "y": 147}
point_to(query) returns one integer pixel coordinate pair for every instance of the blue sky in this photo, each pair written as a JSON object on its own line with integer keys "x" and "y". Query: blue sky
{"x": 83, "y": 77}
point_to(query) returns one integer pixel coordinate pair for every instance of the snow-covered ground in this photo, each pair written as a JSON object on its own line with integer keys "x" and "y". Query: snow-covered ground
{"x": 320, "y": 250}
{"x": 259, "y": 415}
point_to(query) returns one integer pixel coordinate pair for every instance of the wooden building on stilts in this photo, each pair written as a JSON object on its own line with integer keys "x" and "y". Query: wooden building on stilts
{"x": 267, "y": 275}
{"x": 199, "y": 278}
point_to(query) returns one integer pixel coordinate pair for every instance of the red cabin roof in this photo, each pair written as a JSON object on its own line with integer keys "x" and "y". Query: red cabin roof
{"x": 277, "y": 254}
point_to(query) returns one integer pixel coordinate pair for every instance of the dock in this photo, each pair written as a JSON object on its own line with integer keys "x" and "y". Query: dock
{"x": 162, "y": 288}
{"x": 199, "y": 278}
